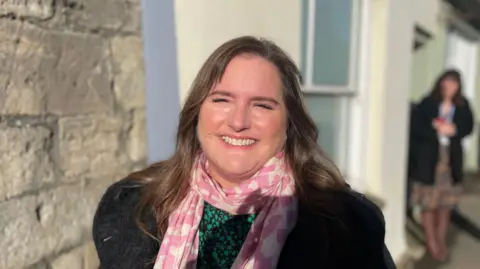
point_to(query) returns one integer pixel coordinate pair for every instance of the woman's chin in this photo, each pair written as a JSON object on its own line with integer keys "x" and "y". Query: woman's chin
{"x": 239, "y": 173}
{"x": 230, "y": 174}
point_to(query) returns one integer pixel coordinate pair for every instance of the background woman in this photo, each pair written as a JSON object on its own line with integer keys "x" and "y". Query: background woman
{"x": 441, "y": 121}
{"x": 248, "y": 186}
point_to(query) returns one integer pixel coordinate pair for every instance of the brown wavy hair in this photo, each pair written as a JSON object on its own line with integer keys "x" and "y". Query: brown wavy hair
{"x": 168, "y": 181}
{"x": 437, "y": 91}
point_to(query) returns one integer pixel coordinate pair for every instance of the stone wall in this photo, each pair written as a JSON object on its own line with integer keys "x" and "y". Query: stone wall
{"x": 71, "y": 122}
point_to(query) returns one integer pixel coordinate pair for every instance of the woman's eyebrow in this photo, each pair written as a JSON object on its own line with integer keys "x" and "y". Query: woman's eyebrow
{"x": 254, "y": 98}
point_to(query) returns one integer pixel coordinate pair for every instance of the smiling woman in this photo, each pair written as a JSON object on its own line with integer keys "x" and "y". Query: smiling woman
{"x": 243, "y": 122}
{"x": 248, "y": 186}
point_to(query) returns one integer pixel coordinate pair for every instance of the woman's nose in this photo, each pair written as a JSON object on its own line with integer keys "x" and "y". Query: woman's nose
{"x": 239, "y": 118}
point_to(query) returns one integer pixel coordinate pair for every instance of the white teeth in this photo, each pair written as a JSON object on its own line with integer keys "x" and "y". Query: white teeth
{"x": 238, "y": 142}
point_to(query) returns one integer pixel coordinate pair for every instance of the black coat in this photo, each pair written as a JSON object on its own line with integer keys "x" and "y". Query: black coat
{"x": 425, "y": 144}
{"x": 356, "y": 240}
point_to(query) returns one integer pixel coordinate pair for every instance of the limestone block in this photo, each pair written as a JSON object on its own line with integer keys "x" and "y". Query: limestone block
{"x": 57, "y": 72}
{"x": 137, "y": 137}
{"x": 82, "y": 257}
{"x": 24, "y": 161}
{"x": 105, "y": 14}
{"x": 75, "y": 74}
{"x": 9, "y": 33}
{"x": 40, "y": 265}
{"x": 90, "y": 146}
{"x": 70, "y": 260}
{"x": 129, "y": 71}
{"x": 90, "y": 257}
{"x": 19, "y": 89}
{"x": 17, "y": 230}
{"x": 34, "y": 227}
{"x": 41, "y": 9}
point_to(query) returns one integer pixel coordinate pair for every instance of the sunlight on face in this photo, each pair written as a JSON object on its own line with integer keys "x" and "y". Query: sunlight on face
{"x": 242, "y": 123}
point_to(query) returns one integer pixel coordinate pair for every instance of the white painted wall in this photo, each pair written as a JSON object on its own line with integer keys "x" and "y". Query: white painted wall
{"x": 203, "y": 25}
{"x": 396, "y": 121}
{"x": 378, "y": 63}
{"x": 391, "y": 44}
{"x": 462, "y": 54}
{"x": 425, "y": 13}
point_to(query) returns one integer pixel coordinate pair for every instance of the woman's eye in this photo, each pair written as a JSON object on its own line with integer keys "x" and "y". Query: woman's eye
{"x": 265, "y": 106}
{"x": 219, "y": 100}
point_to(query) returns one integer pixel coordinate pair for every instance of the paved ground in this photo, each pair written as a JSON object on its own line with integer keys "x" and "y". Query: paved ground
{"x": 465, "y": 250}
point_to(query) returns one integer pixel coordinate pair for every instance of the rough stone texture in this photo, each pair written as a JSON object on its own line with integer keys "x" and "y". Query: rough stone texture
{"x": 88, "y": 144}
{"x": 19, "y": 58}
{"x": 40, "y": 265}
{"x": 24, "y": 161}
{"x": 41, "y": 9}
{"x": 82, "y": 79}
{"x": 106, "y": 14}
{"x": 72, "y": 122}
{"x": 42, "y": 225}
{"x": 137, "y": 145}
{"x": 129, "y": 79}
{"x": 83, "y": 257}
{"x": 61, "y": 73}
{"x": 90, "y": 257}
{"x": 70, "y": 260}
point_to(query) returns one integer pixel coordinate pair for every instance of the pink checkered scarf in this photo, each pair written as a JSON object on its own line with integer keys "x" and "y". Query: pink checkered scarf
{"x": 269, "y": 193}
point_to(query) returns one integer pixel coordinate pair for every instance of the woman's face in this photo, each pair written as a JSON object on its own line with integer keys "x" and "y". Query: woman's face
{"x": 243, "y": 121}
{"x": 449, "y": 87}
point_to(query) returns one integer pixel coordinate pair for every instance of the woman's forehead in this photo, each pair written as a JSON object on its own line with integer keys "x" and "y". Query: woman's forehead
{"x": 250, "y": 75}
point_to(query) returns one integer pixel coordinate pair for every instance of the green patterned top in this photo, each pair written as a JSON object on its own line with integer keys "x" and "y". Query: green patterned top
{"x": 221, "y": 237}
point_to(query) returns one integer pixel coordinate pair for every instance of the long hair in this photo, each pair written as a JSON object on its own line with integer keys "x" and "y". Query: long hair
{"x": 437, "y": 91}
{"x": 168, "y": 181}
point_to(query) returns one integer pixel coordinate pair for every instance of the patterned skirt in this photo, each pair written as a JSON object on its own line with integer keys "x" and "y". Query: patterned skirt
{"x": 443, "y": 194}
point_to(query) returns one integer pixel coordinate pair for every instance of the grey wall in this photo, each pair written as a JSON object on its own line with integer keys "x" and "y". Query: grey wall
{"x": 162, "y": 95}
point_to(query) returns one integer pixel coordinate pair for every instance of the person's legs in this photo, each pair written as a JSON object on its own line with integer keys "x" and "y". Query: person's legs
{"x": 443, "y": 220}
{"x": 429, "y": 227}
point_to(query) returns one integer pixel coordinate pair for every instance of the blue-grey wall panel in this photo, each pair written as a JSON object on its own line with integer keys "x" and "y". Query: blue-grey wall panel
{"x": 162, "y": 96}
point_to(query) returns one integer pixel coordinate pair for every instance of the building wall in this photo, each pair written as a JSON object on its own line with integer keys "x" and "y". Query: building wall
{"x": 471, "y": 163}
{"x": 391, "y": 43}
{"x": 471, "y": 149}
{"x": 420, "y": 82}
{"x": 203, "y": 25}
{"x": 378, "y": 63}
{"x": 71, "y": 122}
{"x": 429, "y": 61}
{"x": 425, "y": 13}
{"x": 474, "y": 160}
{"x": 395, "y": 125}
{"x": 161, "y": 78}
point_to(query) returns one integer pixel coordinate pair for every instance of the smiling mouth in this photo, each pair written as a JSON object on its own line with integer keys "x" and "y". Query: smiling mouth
{"x": 238, "y": 142}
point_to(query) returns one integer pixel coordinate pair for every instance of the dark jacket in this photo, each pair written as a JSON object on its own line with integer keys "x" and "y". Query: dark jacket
{"x": 355, "y": 240}
{"x": 426, "y": 144}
